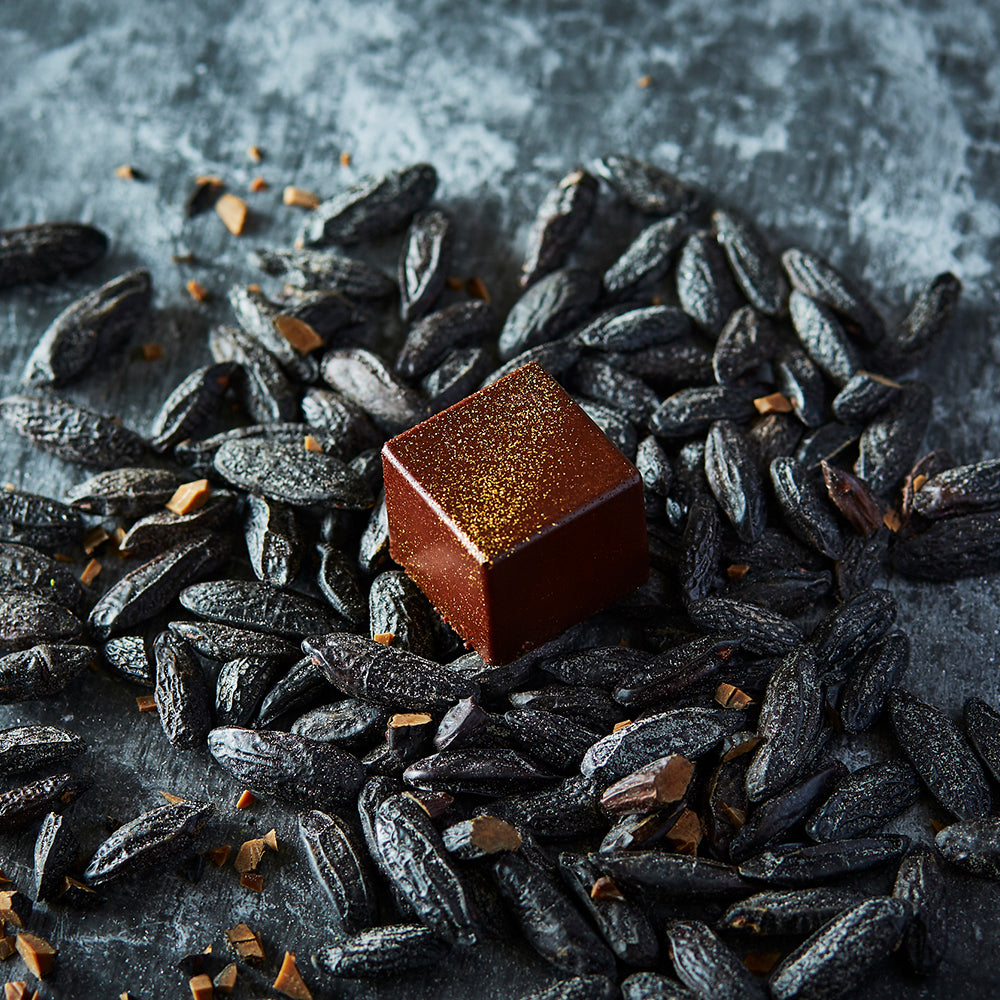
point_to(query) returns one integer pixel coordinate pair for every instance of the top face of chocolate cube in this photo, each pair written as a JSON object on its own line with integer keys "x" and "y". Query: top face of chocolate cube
{"x": 511, "y": 462}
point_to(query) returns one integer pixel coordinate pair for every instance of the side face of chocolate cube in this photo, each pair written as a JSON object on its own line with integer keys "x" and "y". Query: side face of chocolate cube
{"x": 514, "y": 514}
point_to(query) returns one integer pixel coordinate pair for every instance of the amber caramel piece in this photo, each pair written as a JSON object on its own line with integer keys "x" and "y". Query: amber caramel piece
{"x": 189, "y": 497}
{"x": 90, "y": 572}
{"x": 515, "y": 514}
{"x": 289, "y": 981}
{"x": 39, "y": 956}
{"x": 298, "y": 333}
{"x": 225, "y": 981}
{"x": 246, "y": 800}
{"x": 246, "y": 943}
{"x": 252, "y": 881}
{"x": 233, "y": 212}
{"x": 201, "y": 987}
{"x": 299, "y": 197}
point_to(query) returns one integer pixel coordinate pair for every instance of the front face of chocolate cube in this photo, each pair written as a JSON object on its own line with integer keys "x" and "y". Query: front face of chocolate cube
{"x": 514, "y": 514}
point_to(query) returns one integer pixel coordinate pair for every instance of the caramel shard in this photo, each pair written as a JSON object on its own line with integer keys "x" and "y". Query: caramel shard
{"x": 661, "y": 783}
{"x": 737, "y": 751}
{"x": 775, "y": 403}
{"x": 171, "y": 798}
{"x": 152, "y": 352}
{"x": 270, "y": 840}
{"x": 293, "y": 195}
{"x": 6, "y": 947}
{"x": 345, "y": 159}
{"x": 37, "y": 953}
{"x": 384, "y": 637}
{"x": 252, "y": 881}
{"x": 621, "y": 725}
{"x": 15, "y": 991}
{"x": 233, "y": 212}
{"x": 246, "y": 800}
{"x": 93, "y": 539}
{"x": 685, "y": 835}
{"x": 891, "y": 520}
{"x": 201, "y": 987}
{"x": 225, "y": 981}
{"x": 255, "y": 154}
{"x": 189, "y": 497}
{"x": 90, "y": 571}
{"x": 15, "y": 907}
{"x": 146, "y": 702}
{"x": 119, "y": 536}
{"x": 197, "y": 290}
{"x": 249, "y": 855}
{"x": 605, "y": 888}
{"x": 737, "y": 571}
{"x": 476, "y": 289}
{"x": 644, "y": 81}
{"x": 60, "y": 556}
{"x": 434, "y": 803}
{"x": 299, "y": 334}
{"x": 936, "y": 826}
{"x": 455, "y": 283}
{"x": 3, "y": 879}
{"x": 729, "y": 696}
{"x": 259, "y": 184}
{"x": 246, "y": 943}
{"x": 127, "y": 172}
{"x": 760, "y": 963}
{"x": 918, "y": 482}
{"x": 289, "y": 981}
{"x": 737, "y": 817}
{"x": 219, "y": 855}
{"x": 311, "y": 444}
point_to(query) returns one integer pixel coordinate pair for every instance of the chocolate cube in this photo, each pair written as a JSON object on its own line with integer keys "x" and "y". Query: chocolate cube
{"x": 515, "y": 514}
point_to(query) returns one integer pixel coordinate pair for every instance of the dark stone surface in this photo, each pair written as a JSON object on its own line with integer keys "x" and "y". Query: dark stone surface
{"x": 867, "y": 131}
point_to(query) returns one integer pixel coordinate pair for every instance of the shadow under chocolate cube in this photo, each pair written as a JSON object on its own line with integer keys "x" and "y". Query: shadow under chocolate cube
{"x": 515, "y": 514}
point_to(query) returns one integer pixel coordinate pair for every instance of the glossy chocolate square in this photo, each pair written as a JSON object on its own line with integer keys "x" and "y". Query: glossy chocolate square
{"x": 515, "y": 514}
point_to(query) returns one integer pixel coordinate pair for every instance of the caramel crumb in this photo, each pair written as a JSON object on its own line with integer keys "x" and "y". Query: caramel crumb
{"x": 252, "y": 881}
{"x": 741, "y": 748}
{"x": 621, "y": 725}
{"x": 255, "y": 154}
{"x": 737, "y": 571}
{"x": 936, "y": 826}
{"x": 249, "y": 855}
{"x": 4, "y": 880}
{"x": 171, "y": 798}
{"x": 384, "y": 637}
{"x": 62, "y": 557}
{"x": 233, "y": 212}
{"x": 189, "y": 497}
{"x": 246, "y": 800}
{"x": 289, "y": 981}
{"x": 146, "y": 702}
{"x": 456, "y": 284}
{"x": 891, "y": 520}
{"x": 729, "y": 696}
{"x": 90, "y": 571}
{"x": 605, "y": 888}
{"x": 16, "y": 991}
{"x": 152, "y": 352}
{"x": 657, "y": 300}
{"x": 760, "y": 963}
{"x": 197, "y": 290}
{"x": 736, "y": 816}
{"x": 119, "y": 536}
{"x": 918, "y": 482}
{"x": 345, "y": 159}
{"x": 476, "y": 289}
{"x": 225, "y": 981}
{"x": 37, "y": 953}
{"x": 201, "y": 987}
{"x": 259, "y": 184}
{"x": 644, "y": 81}
{"x": 93, "y": 539}
{"x": 246, "y": 943}
{"x": 6, "y": 947}
{"x": 775, "y": 403}
{"x": 311, "y": 444}
{"x": 299, "y": 197}
{"x": 402, "y": 719}
{"x": 254, "y": 288}
{"x": 219, "y": 855}
{"x": 299, "y": 334}
{"x": 127, "y": 172}
{"x": 685, "y": 835}
{"x": 271, "y": 840}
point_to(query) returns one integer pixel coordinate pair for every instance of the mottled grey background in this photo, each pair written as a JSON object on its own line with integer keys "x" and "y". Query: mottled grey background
{"x": 867, "y": 131}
